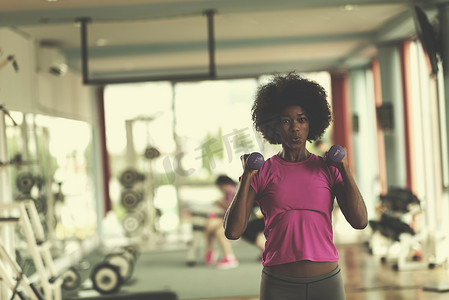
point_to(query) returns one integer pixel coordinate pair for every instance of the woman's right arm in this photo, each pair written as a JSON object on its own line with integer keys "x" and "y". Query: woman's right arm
{"x": 238, "y": 212}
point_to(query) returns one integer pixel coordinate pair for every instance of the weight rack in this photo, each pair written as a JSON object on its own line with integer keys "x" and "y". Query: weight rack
{"x": 20, "y": 279}
{"x": 27, "y": 216}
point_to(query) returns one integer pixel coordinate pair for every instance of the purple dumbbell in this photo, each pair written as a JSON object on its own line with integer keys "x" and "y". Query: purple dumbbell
{"x": 255, "y": 160}
{"x": 336, "y": 153}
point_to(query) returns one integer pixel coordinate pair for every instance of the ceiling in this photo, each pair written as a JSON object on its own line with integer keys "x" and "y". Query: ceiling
{"x": 140, "y": 40}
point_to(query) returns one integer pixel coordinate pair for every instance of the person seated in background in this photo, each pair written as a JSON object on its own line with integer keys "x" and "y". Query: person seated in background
{"x": 214, "y": 227}
{"x": 254, "y": 230}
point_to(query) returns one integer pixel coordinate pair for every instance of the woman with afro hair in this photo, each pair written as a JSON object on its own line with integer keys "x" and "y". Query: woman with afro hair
{"x": 295, "y": 190}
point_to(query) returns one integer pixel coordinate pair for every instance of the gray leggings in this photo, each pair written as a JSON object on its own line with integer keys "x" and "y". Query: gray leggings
{"x": 328, "y": 286}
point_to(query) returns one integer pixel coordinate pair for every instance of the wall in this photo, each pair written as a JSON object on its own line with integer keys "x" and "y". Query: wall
{"x": 17, "y": 88}
{"x": 33, "y": 90}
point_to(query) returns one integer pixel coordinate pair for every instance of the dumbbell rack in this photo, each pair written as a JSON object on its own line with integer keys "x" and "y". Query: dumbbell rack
{"x": 26, "y": 213}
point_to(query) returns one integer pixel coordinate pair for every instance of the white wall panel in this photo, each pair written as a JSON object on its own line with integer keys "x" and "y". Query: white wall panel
{"x": 37, "y": 91}
{"x": 63, "y": 96}
{"x": 17, "y": 88}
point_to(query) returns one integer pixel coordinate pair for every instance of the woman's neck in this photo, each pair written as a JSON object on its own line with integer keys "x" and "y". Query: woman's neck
{"x": 294, "y": 155}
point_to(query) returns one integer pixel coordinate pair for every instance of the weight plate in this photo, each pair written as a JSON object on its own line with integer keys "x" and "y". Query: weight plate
{"x": 129, "y": 177}
{"x": 132, "y": 250}
{"x": 125, "y": 265}
{"x": 24, "y": 182}
{"x": 71, "y": 279}
{"x": 106, "y": 278}
{"x": 133, "y": 223}
{"x": 130, "y": 198}
{"x": 129, "y": 256}
{"x": 152, "y": 153}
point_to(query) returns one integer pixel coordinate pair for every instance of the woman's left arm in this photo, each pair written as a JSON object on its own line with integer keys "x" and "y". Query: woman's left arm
{"x": 349, "y": 198}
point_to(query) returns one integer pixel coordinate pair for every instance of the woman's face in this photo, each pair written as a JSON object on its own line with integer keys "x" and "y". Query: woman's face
{"x": 294, "y": 127}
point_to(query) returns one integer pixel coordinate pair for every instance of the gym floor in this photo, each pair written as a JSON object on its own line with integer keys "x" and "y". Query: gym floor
{"x": 366, "y": 277}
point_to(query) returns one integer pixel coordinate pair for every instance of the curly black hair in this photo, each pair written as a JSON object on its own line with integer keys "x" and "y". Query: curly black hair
{"x": 287, "y": 90}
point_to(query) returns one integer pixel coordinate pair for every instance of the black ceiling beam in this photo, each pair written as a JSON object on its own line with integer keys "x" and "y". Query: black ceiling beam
{"x": 84, "y": 49}
{"x": 212, "y": 74}
{"x": 211, "y": 42}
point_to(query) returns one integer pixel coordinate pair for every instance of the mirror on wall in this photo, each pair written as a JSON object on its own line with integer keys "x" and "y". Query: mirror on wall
{"x": 52, "y": 165}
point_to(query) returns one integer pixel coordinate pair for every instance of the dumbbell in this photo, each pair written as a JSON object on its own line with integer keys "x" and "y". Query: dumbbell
{"x": 255, "y": 160}
{"x": 106, "y": 278}
{"x": 336, "y": 153}
{"x": 124, "y": 258}
{"x": 71, "y": 279}
{"x": 123, "y": 262}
